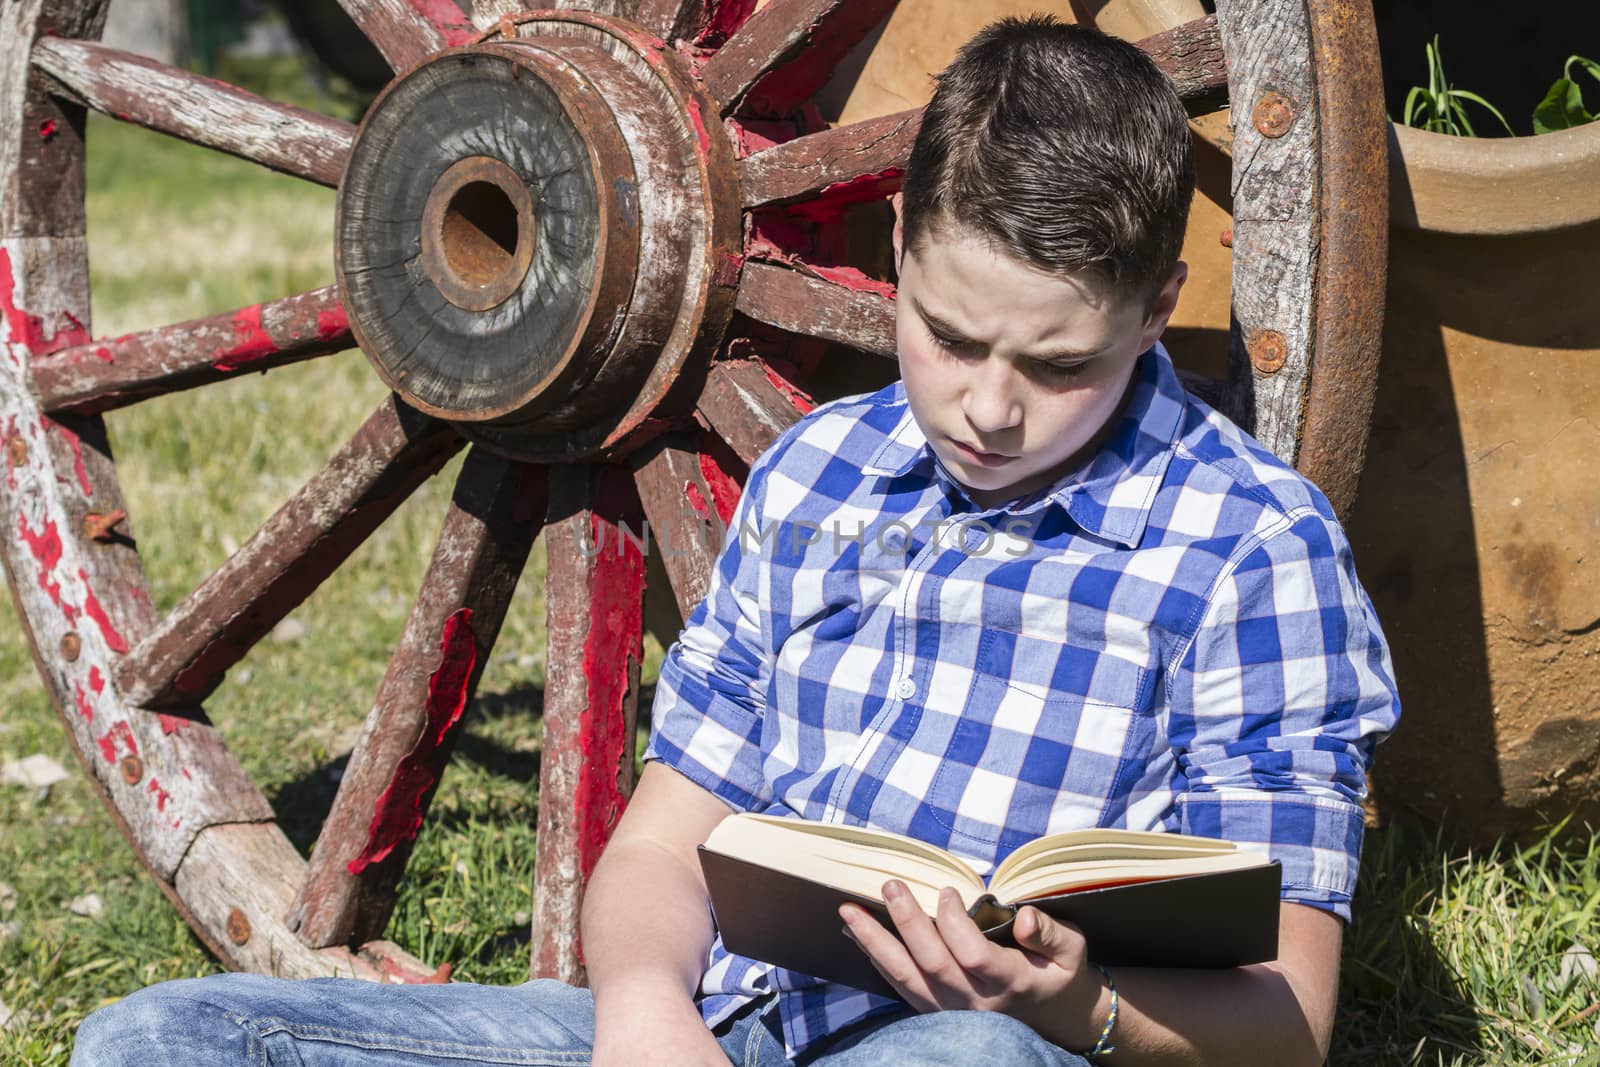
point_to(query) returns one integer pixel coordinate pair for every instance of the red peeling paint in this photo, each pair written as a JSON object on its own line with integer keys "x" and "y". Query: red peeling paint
{"x": 85, "y": 705}
{"x": 29, "y": 330}
{"x": 103, "y": 354}
{"x": 725, "y": 490}
{"x": 397, "y": 816}
{"x": 699, "y": 124}
{"x": 185, "y": 772}
{"x": 45, "y": 546}
{"x": 726, "y": 18}
{"x": 331, "y": 324}
{"x": 97, "y": 681}
{"x": 91, "y": 607}
{"x": 172, "y": 724}
{"x": 253, "y": 342}
{"x": 47, "y": 129}
{"x": 801, "y": 400}
{"x": 851, "y": 278}
{"x": 697, "y": 500}
{"x": 615, "y": 634}
{"x": 119, "y": 731}
{"x": 162, "y": 796}
{"x": 76, "y": 444}
{"x": 752, "y": 135}
{"x": 448, "y": 19}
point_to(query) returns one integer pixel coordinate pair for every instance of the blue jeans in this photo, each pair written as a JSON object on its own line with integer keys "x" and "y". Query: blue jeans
{"x": 274, "y": 1022}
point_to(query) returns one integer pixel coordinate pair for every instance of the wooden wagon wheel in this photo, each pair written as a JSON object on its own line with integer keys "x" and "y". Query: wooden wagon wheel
{"x": 597, "y": 249}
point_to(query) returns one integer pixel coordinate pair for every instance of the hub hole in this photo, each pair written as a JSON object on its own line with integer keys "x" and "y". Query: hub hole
{"x": 480, "y": 232}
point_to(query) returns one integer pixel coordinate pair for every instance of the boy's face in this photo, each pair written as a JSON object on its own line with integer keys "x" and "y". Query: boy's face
{"x": 1012, "y": 374}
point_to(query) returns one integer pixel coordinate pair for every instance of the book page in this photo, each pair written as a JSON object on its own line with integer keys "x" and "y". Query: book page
{"x": 1049, "y": 880}
{"x": 1100, "y": 844}
{"x": 853, "y": 858}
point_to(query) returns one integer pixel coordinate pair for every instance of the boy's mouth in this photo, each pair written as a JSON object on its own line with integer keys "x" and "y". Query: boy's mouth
{"x": 982, "y": 459}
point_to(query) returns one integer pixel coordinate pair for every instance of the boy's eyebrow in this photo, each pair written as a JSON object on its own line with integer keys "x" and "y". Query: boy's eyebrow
{"x": 1049, "y": 355}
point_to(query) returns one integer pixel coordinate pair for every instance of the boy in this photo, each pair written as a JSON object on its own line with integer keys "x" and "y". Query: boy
{"x": 1034, "y": 586}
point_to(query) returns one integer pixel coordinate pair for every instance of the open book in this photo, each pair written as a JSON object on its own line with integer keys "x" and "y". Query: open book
{"x": 1141, "y": 898}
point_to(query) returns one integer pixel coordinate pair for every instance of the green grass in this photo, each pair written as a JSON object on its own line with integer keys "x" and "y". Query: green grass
{"x": 1439, "y": 963}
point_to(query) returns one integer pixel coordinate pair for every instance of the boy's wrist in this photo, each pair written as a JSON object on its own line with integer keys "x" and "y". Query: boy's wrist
{"x": 1076, "y": 1017}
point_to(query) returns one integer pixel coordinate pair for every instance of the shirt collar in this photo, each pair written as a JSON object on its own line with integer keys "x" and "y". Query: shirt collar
{"x": 1109, "y": 496}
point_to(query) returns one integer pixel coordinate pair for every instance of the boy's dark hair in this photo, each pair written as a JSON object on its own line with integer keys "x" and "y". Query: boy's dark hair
{"x": 1066, "y": 147}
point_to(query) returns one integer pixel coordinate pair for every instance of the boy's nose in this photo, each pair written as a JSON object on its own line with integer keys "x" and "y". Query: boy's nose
{"x": 992, "y": 403}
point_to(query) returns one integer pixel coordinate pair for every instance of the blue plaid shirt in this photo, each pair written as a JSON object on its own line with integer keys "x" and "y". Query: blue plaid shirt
{"x": 1170, "y": 638}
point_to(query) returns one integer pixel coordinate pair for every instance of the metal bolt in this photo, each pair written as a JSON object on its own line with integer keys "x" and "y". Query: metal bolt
{"x": 1273, "y": 114}
{"x": 98, "y": 527}
{"x": 17, "y": 451}
{"x": 1226, "y": 238}
{"x": 238, "y": 927}
{"x": 71, "y": 645}
{"x": 1269, "y": 350}
{"x": 132, "y": 769}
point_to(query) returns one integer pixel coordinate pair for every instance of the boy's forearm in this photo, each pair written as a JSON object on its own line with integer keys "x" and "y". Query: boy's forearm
{"x": 1246, "y": 1015}
{"x": 646, "y": 927}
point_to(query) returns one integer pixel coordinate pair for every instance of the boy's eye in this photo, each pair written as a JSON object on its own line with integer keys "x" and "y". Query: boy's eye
{"x": 946, "y": 342}
{"x": 1062, "y": 370}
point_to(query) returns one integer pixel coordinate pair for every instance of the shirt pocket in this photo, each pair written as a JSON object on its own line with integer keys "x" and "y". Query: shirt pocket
{"x": 1024, "y": 761}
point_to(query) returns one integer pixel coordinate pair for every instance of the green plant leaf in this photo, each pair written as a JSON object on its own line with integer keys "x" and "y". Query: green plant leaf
{"x": 1561, "y": 109}
{"x": 1481, "y": 102}
{"x": 1587, "y": 64}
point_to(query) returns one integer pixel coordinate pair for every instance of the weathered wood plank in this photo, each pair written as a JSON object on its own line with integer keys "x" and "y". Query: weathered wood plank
{"x": 408, "y": 31}
{"x": 680, "y": 505}
{"x": 594, "y": 595}
{"x": 786, "y": 51}
{"x": 115, "y": 372}
{"x": 1191, "y": 55}
{"x": 237, "y": 882}
{"x": 790, "y": 300}
{"x": 186, "y": 656}
{"x": 198, "y": 109}
{"x": 862, "y": 161}
{"x": 384, "y": 795}
{"x": 84, "y": 601}
{"x": 1275, "y": 207}
{"x": 749, "y": 404}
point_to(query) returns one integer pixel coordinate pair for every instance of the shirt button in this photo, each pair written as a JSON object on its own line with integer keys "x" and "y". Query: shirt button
{"x": 908, "y": 689}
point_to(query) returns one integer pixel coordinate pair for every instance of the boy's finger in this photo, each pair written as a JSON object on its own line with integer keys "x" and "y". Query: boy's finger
{"x": 1060, "y": 942}
{"x": 922, "y": 939}
{"x": 981, "y": 958}
{"x": 888, "y": 955}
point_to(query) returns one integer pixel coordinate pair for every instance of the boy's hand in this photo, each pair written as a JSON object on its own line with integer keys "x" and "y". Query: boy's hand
{"x": 1047, "y": 983}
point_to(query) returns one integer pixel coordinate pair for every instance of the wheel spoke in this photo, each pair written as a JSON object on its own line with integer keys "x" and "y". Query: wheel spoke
{"x": 706, "y": 24}
{"x": 833, "y": 310}
{"x": 198, "y": 109}
{"x": 186, "y": 655}
{"x": 367, "y": 838}
{"x": 594, "y": 590}
{"x": 113, "y": 373}
{"x": 862, "y": 161}
{"x": 688, "y": 502}
{"x": 1191, "y": 55}
{"x": 749, "y": 404}
{"x": 790, "y": 47}
{"x": 408, "y": 31}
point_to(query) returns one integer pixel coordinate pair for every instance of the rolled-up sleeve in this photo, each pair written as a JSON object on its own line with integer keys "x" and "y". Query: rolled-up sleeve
{"x": 711, "y": 695}
{"x": 1276, "y": 705}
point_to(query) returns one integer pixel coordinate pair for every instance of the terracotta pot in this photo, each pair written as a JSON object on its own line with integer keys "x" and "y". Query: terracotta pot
{"x": 1480, "y": 498}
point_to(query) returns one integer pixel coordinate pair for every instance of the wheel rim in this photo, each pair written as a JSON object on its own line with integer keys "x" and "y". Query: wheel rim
{"x": 679, "y": 366}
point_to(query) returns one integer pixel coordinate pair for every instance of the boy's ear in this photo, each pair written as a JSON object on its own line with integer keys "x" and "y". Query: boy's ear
{"x": 899, "y": 231}
{"x": 1166, "y": 303}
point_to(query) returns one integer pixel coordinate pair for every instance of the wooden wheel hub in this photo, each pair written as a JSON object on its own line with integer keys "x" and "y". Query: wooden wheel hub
{"x": 523, "y": 232}
{"x": 478, "y": 233}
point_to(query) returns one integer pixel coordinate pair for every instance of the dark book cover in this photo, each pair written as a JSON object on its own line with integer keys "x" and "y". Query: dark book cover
{"x": 1205, "y": 920}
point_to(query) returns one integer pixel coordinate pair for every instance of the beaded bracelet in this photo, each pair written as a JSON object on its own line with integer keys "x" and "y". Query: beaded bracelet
{"x": 1103, "y": 1046}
